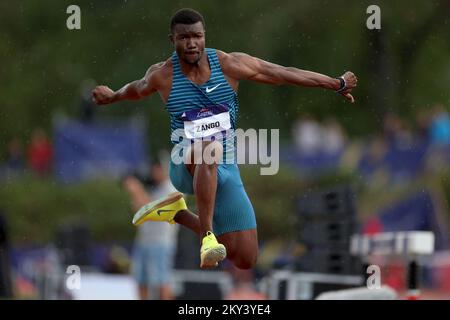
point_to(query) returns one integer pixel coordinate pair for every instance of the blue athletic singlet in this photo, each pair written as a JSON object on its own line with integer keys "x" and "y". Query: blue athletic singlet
{"x": 186, "y": 95}
{"x": 201, "y": 109}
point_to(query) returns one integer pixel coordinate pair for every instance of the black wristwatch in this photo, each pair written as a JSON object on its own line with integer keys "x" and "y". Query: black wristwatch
{"x": 343, "y": 85}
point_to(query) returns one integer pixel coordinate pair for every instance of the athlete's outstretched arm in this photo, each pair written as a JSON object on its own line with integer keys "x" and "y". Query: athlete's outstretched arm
{"x": 132, "y": 91}
{"x": 241, "y": 66}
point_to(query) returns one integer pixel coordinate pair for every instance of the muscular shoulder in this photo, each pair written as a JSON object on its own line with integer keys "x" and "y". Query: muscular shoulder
{"x": 229, "y": 59}
{"x": 159, "y": 73}
{"x": 237, "y": 65}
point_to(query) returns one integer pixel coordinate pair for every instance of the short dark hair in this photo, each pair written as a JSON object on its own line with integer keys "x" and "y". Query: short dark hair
{"x": 186, "y": 16}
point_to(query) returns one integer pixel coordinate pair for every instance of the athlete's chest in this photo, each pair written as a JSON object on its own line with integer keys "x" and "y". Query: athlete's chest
{"x": 199, "y": 78}
{"x": 198, "y": 87}
{"x": 199, "y": 82}
{"x": 186, "y": 93}
{"x": 189, "y": 95}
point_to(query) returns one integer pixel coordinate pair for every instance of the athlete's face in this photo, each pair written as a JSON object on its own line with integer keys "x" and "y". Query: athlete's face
{"x": 189, "y": 41}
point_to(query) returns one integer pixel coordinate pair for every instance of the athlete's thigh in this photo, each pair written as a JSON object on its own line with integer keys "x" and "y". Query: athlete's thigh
{"x": 203, "y": 152}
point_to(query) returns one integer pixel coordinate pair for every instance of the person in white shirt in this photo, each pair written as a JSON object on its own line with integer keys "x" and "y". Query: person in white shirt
{"x": 155, "y": 243}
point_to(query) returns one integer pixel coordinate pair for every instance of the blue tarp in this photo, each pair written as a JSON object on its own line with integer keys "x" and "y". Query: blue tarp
{"x": 88, "y": 151}
{"x": 416, "y": 212}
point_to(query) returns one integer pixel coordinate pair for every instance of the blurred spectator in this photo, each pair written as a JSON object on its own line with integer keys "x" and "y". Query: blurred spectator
{"x": 40, "y": 153}
{"x": 334, "y": 138}
{"x": 396, "y": 132}
{"x": 391, "y": 126}
{"x": 155, "y": 243}
{"x": 15, "y": 159}
{"x": 440, "y": 126}
{"x": 439, "y": 140}
{"x": 423, "y": 119}
{"x": 307, "y": 135}
{"x": 244, "y": 287}
{"x": 372, "y": 165}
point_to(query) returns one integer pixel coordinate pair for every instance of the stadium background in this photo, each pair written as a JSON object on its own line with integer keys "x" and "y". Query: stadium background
{"x": 395, "y": 139}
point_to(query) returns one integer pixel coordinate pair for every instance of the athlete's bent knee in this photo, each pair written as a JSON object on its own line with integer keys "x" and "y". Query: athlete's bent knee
{"x": 245, "y": 262}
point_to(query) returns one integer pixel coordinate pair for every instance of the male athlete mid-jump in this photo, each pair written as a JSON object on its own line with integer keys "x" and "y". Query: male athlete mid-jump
{"x": 199, "y": 85}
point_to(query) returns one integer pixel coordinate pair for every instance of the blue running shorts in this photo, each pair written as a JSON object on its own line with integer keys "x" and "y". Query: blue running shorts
{"x": 233, "y": 210}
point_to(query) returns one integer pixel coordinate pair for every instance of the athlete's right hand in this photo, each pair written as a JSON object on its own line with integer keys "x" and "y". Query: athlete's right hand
{"x": 102, "y": 95}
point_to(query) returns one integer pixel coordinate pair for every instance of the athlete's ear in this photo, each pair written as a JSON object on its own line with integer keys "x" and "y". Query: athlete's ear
{"x": 171, "y": 38}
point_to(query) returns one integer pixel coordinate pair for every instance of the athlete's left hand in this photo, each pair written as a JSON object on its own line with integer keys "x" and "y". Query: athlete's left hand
{"x": 350, "y": 82}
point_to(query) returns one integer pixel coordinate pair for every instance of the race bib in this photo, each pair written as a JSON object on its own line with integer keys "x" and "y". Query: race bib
{"x": 205, "y": 122}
